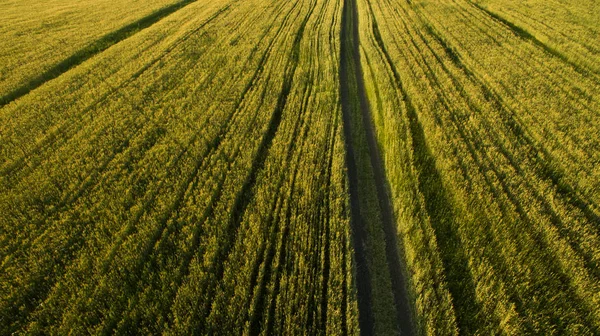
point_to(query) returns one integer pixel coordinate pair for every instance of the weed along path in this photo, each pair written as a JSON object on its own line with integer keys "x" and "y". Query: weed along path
{"x": 383, "y": 300}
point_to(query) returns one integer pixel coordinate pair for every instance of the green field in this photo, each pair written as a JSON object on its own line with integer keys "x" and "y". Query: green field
{"x": 343, "y": 167}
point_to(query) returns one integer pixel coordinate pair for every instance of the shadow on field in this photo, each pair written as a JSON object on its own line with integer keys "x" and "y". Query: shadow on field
{"x": 438, "y": 205}
{"x": 354, "y": 100}
{"x": 525, "y": 35}
{"x": 92, "y": 49}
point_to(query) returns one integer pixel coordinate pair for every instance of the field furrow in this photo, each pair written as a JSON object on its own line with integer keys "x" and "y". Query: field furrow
{"x": 269, "y": 167}
{"x": 474, "y": 129}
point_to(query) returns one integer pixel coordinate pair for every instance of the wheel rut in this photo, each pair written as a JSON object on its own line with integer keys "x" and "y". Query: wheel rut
{"x": 354, "y": 101}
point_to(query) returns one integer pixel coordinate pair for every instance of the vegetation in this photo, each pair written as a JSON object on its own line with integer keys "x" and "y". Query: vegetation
{"x": 266, "y": 167}
{"x": 490, "y": 143}
{"x": 41, "y": 40}
{"x": 196, "y": 159}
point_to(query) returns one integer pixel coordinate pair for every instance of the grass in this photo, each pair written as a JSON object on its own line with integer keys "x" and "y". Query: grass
{"x": 317, "y": 166}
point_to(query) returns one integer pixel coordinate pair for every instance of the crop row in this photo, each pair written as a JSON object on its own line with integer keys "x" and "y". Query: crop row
{"x": 567, "y": 30}
{"x": 489, "y": 145}
{"x": 42, "y": 39}
{"x": 186, "y": 180}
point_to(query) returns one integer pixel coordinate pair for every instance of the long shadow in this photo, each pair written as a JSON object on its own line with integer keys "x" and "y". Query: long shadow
{"x": 524, "y": 34}
{"x": 442, "y": 216}
{"x": 439, "y": 208}
{"x": 545, "y": 170}
{"x": 359, "y": 234}
{"x": 353, "y": 91}
{"x": 91, "y": 50}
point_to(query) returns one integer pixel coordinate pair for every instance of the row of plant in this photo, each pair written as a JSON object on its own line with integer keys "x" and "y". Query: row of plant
{"x": 40, "y": 39}
{"x": 489, "y": 144}
{"x": 569, "y": 30}
{"x": 187, "y": 180}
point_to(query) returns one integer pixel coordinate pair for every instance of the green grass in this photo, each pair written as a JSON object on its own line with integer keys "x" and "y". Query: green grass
{"x": 300, "y": 167}
{"x": 484, "y": 113}
{"x": 198, "y": 158}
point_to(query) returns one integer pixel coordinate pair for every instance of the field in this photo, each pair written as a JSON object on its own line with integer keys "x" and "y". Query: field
{"x": 422, "y": 167}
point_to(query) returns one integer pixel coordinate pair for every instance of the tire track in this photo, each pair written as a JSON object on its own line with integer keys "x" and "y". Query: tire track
{"x": 148, "y": 202}
{"x": 482, "y": 162}
{"x": 242, "y": 200}
{"x": 94, "y": 177}
{"x": 539, "y": 154}
{"x": 437, "y": 206}
{"x": 296, "y": 143}
{"x": 465, "y": 138}
{"x": 363, "y": 279}
{"x": 183, "y": 269}
{"x": 350, "y": 67}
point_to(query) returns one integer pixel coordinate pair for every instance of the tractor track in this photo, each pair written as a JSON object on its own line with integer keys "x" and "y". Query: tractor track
{"x": 351, "y": 96}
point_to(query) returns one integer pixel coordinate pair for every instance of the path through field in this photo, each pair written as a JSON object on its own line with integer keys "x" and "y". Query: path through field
{"x": 354, "y": 101}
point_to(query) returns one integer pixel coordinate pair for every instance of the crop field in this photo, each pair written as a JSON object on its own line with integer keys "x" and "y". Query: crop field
{"x": 269, "y": 167}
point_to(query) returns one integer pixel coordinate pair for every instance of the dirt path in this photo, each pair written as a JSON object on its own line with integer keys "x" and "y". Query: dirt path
{"x": 359, "y": 234}
{"x": 353, "y": 95}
